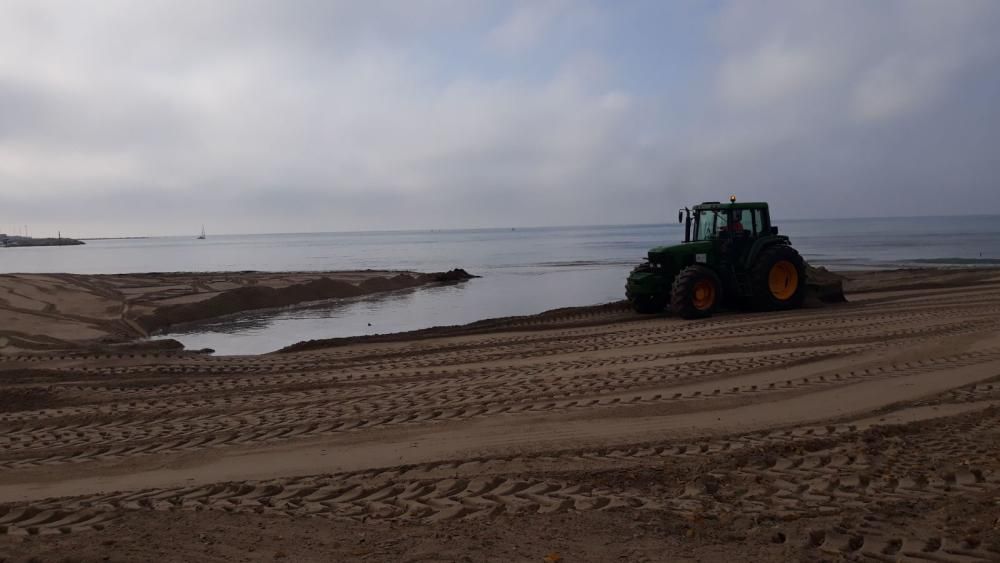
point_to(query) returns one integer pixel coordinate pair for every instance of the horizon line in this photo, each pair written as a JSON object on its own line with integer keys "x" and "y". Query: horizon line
{"x": 533, "y": 227}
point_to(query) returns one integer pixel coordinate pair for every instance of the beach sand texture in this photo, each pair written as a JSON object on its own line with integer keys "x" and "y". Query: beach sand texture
{"x": 868, "y": 430}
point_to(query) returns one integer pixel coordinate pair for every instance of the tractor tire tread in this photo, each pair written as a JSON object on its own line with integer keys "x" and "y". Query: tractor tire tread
{"x": 682, "y": 293}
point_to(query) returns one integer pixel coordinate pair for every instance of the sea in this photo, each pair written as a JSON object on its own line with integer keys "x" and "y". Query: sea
{"x": 523, "y": 271}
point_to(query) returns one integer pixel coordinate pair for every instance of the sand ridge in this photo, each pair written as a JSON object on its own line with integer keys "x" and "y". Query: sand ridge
{"x": 70, "y": 311}
{"x": 863, "y": 431}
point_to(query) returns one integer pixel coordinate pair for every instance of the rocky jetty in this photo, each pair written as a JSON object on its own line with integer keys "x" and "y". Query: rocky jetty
{"x": 15, "y": 241}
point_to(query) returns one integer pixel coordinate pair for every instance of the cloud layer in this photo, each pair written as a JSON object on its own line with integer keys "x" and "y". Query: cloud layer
{"x": 257, "y": 116}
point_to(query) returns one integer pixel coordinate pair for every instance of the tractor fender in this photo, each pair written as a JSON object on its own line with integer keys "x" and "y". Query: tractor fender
{"x": 760, "y": 244}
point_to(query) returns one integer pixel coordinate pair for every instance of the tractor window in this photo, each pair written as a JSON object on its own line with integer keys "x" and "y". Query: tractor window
{"x": 742, "y": 220}
{"x": 758, "y": 222}
{"x": 735, "y": 222}
{"x": 704, "y": 227}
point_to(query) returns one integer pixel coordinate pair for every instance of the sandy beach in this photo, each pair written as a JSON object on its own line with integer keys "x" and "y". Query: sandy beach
{"x": 860, "y": 431}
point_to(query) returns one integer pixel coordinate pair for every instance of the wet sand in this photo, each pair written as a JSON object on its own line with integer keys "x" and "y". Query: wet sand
{"x": 866, "y": 430}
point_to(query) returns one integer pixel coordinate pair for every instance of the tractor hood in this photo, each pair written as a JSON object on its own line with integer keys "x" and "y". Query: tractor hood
{"x": 677, "y": 253}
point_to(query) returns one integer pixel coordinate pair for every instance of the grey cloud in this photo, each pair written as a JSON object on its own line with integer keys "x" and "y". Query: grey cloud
{"x": 314, "y": 115}
{"x": 843, "y": 109}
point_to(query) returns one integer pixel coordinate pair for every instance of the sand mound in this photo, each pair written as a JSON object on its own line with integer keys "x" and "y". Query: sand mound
{"x": 455, "y": 275}
{"x": 823, "y": 286}
{"x": 258, "y": 297}
{"x": 401, "y": 281}
{"x": 247, "y": 298}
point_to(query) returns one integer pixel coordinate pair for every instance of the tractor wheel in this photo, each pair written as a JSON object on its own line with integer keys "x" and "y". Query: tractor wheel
{"x": 696, "y": 293}
{"x": 778, "y": 279}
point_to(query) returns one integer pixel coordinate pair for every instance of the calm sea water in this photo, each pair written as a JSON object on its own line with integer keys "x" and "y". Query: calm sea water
{"x": 524, "y": 271}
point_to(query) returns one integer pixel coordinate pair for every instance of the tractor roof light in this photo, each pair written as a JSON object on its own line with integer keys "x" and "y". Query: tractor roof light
{"x": 732, "y": 198}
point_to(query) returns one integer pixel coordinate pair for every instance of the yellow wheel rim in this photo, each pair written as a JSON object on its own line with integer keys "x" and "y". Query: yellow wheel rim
{"x": 704, "y": 295}
{"x": 783, "y": 280}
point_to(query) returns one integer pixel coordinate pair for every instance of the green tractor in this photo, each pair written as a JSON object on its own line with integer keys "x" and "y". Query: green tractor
{"x": 731, "y": 254}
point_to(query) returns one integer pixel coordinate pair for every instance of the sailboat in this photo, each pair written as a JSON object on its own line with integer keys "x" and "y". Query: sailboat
{"x": 202, "y": 235}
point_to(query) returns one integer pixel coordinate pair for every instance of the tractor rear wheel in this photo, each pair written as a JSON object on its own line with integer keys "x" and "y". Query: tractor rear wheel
{"x": 696, "y": 292}
{"x": 778, "y": 279}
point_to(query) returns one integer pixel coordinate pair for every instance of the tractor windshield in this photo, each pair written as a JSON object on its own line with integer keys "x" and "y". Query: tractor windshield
{"x": 707, "y": 223}
{"x": 713, "y": 223}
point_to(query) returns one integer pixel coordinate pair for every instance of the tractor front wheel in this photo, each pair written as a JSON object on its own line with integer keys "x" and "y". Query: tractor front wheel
{"x": 696, "y": 293}
{"x": 779, "y": 279}
{"x": 645, "y": 302}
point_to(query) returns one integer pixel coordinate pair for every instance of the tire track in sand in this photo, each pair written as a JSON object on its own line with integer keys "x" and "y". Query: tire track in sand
{"x": 110, "y": 442}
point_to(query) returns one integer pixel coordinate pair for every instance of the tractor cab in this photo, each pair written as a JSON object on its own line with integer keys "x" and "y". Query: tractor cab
{"x": 713, "y": 220}
{"x": 730, "y": 229}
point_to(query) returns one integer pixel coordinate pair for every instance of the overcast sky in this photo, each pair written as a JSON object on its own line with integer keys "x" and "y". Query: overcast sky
{"x": 120, "y": 117}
